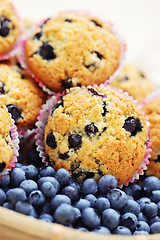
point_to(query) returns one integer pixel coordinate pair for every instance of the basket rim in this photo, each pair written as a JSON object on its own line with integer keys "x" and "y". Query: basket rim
{"x": 16, "y": 226}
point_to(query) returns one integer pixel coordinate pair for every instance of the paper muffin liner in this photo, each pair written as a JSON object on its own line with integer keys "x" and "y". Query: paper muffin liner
{"x": 25, "y": 134}
{"x": 23, "y": 61}
{"x": 15, "y": 141}
{"x": 150, "y": 97}
{"x": 16, "y": 47}
{"x": 43, "y": 118}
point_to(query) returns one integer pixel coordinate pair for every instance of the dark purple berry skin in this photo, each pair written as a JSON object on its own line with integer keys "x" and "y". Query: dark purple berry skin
{"x": 58, "y": 200}
{"x": 133, "y": 125}
{"x": 142, "y": 226}
{"x": 89, "y": 186}
{"x": 90, "y": 218}
{"x": 28, "y": 186}
{"x": 129, "y": 220}
{"x": 155, "y": 227}
{"x": 2, "y": 197}
{"x": 14, "y": 111}
{"x": 102, "y": 230}
{"x": 102, "y": 204}
{"x": 4, "y": 26}
{"x": 64, "y": 156}
{"x": 51, "y": 141}
{"x": 17, "y": 176}
{"x": 36, "y": 198}
{"x": 71, "y": 192}
{"x": 63, "y": 176}
{"x": 25, "y": 208}
{"x": 117, "y": 198}
{"x": 2, "y": 166}
{"x": 92, "y": 199}
{"x": 16, "y": 194}
{"x": 110, "y": 218}
{"x": 107, "y": 183}
{"x": 91, "y": 129}
{"x": 46, "y": 217}
{"x": 150, "y": 210}
{"x": 74, "y": 140}
{"x": 46, "y": 51}
{"x": 2, "y": 91}
{"x": 47, "y": 171}
{"x": 82, "y": 204}
{"x": 65, "y": 214}
{"x": 121, "y": 230}
{"x": 131, "y": 206}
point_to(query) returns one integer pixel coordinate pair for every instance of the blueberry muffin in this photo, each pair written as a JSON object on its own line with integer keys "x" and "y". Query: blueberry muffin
{"x": 133, "y": 81}
{"x": 6, "y": 145}
{"x": 72, "y": 50}
{"x": 92, "y": 132}
{"x": 152, "y": 110}
{"x": 22, "y": 96}
{"x": 9, "y": 29}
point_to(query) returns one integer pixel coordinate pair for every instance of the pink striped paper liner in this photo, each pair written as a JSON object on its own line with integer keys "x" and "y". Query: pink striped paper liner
{"x": 15, "y": 141}
{"x": 150, "y": 97}
{"x": 16, "y": 48}
{"x": 24, "y": 64}
{"x": 42, "y": 121}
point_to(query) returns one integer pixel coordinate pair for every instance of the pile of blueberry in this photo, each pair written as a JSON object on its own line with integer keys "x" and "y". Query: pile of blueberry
{"x": 99, "y": 207}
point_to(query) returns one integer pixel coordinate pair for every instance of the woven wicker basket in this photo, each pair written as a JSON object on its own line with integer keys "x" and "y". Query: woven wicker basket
{"x": 15, "y": 226}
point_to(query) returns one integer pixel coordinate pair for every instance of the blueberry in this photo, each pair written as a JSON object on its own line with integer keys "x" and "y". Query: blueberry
{"x": 18, "y": 165}
{"x": 47, "y": 171}
{"x": 5, "y": 180}
{"x": 133, "y": 125}
{"x": 150, "y": 210}
{"x": 90, "y": 218}
{"x": 14, "y": 111}
{"x": 89, "y": 187}
{"x": 64, "y": 156}
{"x": 2, "y": 197}
{"x": 129, "y": 220}
{"x": 68, "y": 20}
{"x": 102, "y": 230}
{"x": 92, "y": 199}
{"x": 2, "y": 91}
{"x": 107, "y": 183}
{"x": 117, "y": 198}
{"x": 31, "y": 171}
{"x": 46, "y": 217}
{"x": 16, "y": 194}
{"x": 4, "y": 26}
{"x": 78, "y": 214}
{"x": 71, "y": 192}
{"x": 51, "y": 140}
{"x": 127, "y": 190}
{"x": 110, "y": 218}
{"x": 17, "y": 176}
{"x": 47, "y": 208}
{"x": 154, "y": 219}
{"x": 142, "y": 217}
{"x": 82, "y": 229}
{"x": 63, "y": 176}
{"x": 54, "y": 181}
{"x": 46, "y": 51}
{"x": 131, "y": 206}
{"x": 155, "y": 196}
{"x": 143, "y": 201}
{"x": 75, "y": 184}
{"x": 2, "y": 166}
{"x": 74, "y": 140}
{"x": 121, "y": 230}
{"x": 149, "y": 184}
{"x": 155, "y": 227}
{"x": 36, "y": 198}
{"x": 28, "y": 186}
{"x": 82, "y": 204}
{"x": 140, "y": 233}
{"x": 58, "y": 200}
{"x": 48, "y": 189}
{"x": 8, "y": 205}
{"x": 158, "y": 206}
{"x": 91, "y": 129}
{"x": 65, "y": 214}
{"x": 136, "y": 191}
{"x": 38, "y": 35}
{"x": 25, "y": 208}
{"x": 96, "y": 23}
{"x": 142, "y": 226}
{"x": 102, "y": 204}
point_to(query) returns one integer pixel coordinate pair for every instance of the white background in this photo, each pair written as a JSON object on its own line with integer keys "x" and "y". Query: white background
{"x": 138, "y": 21}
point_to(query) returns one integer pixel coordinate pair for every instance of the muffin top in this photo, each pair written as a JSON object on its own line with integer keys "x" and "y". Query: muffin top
{"x": 22, "y": 96}
{"x": 133, "y": 80}
{"x": 72, "y": 50}
{"x": 9, "y": 29}
{"x": 6, "y": 145}
{"x": 92, "y": 132}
